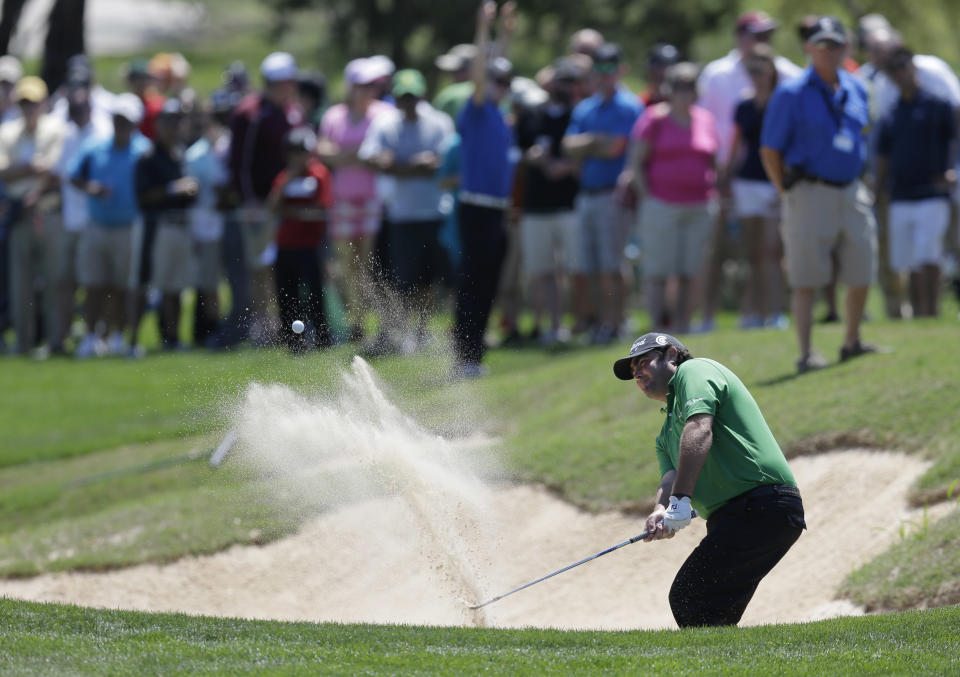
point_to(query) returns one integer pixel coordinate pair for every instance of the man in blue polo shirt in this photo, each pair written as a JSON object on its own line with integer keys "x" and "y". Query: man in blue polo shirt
{"x": 813, "y": 148}
{"x": 915, "y": 150}
{"x": 486, "y": 179}
{"x": 105, "y": 172}
{"x": 597, "y": 138}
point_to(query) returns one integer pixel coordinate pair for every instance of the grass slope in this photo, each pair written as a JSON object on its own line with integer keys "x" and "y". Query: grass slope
{"x": 52, "y": 639}
{"x": 564, "y": 419}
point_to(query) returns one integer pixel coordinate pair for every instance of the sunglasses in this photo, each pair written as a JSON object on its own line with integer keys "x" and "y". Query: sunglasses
{"x": 502, "y": 82}
{"x": 606, "y": 67}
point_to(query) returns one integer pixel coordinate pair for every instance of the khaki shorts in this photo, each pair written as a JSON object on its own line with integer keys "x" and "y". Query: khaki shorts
{"x": 674, "y": 237}
{"x": 206, "y": 266}
{"x": 103, "y": 256}
{"x": 601, "y": 234}
{"x": 817, "y": 218}
{"x": 65, "y": 246}
{"x": 548, "y": 241}
{"x": 171, "y": 258}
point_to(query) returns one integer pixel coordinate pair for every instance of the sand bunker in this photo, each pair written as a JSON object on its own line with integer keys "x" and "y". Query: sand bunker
{"x": 352, "y": 564}
{"x": 411, "y": 532}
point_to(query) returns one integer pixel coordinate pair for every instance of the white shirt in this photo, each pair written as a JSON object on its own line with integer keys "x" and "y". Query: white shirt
{"x": 101, "y": 107}
{"x": 724, "y": 83}
{"x": 73, "y": 199}
{"x": 935, "y": 77}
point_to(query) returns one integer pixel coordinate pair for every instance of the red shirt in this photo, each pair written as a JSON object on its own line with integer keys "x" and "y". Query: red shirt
{"x": 153, "y": 103}
{"x": 312, "y": 190}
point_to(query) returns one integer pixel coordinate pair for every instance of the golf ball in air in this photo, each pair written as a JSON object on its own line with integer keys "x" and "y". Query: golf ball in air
{"x": 297, "y": 326}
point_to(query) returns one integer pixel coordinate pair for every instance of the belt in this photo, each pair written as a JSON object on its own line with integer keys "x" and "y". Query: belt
{"x": 483, "y": 200}
{"x": 827, "y": 182}
{"x": 770, "y": 490}
{"x": 597, "y": 191}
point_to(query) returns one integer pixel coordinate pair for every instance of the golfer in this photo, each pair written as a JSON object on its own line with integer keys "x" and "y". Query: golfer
{"x": 716, "y": 454}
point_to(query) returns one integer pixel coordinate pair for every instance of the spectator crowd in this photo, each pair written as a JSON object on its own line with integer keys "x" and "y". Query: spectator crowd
{"x": 557, "y": 194}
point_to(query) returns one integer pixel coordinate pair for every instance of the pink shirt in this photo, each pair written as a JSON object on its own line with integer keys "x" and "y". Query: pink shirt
{"x": 351, "y": 183}
{"x": 680, "y": 165}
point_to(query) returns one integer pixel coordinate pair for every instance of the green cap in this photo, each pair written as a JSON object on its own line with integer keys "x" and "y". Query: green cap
{"x": 409, "y": 81}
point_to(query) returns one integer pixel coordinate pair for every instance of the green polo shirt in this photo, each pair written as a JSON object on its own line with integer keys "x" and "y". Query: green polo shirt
{"x": 744, "y": 453}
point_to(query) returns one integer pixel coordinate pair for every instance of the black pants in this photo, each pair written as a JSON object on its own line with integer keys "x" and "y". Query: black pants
{"x": 483, "y": 240}
{"x": 300, "y": 296}
{"x": 745, "y": 540}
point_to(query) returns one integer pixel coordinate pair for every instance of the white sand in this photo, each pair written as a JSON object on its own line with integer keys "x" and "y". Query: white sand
{"x": 353, "y": 564}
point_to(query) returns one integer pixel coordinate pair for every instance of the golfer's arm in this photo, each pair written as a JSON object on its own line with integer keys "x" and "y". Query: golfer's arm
{"x": 665, "y": 488}
{"x": 773, "y": 164}
{"x": 695, "y": 444}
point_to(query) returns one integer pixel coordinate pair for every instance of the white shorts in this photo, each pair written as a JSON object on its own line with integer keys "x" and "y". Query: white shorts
{"x": 547, "y": 241}
{"x": 755, "y": 199}
{"x": 916, "y": 233}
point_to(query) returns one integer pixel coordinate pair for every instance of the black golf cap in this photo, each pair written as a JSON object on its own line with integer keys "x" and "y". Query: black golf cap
{"x": 644, "y": 344}
{"x": 828, "y": 29}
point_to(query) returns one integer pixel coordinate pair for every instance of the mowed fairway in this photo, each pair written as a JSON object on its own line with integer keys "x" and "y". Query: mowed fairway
{"x": 103, "y": 465}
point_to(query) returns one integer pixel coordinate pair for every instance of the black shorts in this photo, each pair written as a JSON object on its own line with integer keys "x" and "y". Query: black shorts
{"x": 745, "y": 540}
{"x": 417, "y": 256}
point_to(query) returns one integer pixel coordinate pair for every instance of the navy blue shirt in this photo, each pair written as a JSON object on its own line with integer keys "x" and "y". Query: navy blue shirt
{"x": 617, "y": 117}
{"x": 819, "y": 129}
{"x": 915, "y": 137}
{"x": 485, "y": 143}
{"x": 749, "y": 121}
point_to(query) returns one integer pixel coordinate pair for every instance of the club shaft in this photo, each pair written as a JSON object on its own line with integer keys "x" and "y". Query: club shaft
{"x": 566, "y": 568}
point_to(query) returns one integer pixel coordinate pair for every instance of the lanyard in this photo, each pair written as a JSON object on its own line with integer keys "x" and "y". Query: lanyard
{"x": 836, "y": 112}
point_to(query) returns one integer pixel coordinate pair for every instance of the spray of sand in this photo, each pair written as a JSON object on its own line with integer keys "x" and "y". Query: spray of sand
{"x": 353, "y": 445}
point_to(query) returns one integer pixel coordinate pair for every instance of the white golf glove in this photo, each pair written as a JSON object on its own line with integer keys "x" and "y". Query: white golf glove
{"x": 678, "y": 513}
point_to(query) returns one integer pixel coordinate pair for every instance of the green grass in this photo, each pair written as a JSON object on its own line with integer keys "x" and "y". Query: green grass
{"x": 64, "y": 639}
{"x": 562, "y": 418}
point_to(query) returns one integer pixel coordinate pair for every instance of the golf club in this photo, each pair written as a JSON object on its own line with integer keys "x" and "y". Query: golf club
{"x": 639, "y": 537}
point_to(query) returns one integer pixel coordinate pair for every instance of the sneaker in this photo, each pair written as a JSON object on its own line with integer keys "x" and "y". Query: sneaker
{"x": 380, "y": 346}
{"x": 778, "y": 321}
{"x": 856, "y": 350}
{"x": 136, "y": 352}
{"x": 468, "y": 370}
{"x": 830, "y": 318}
{"x": 811, "y": 362}
{"x": 603, "y": 335}
{"x": 704, "y": 327}
{"x": 90, "y": 346}
{"x": 116, "y": 345}
{"x": 751, "y": 321}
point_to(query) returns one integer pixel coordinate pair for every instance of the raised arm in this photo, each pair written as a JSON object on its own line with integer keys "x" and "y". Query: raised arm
{"x": 485, "y": 16}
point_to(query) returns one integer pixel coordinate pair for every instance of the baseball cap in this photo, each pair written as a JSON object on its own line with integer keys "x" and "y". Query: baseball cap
{"x": 138, "y": 69}
{"x": 458, "y": 58}
{"x": 409, "y": 81}
{"x": 567, "y": 69}
{"x": 644, "y": 344}
{"x": 30, "y": 88}
{"x": 756, "y": 22}
{"x": 608, "y": 52}
{"x": 500, "y": 68}
{"x": 10, "y": 68}
{"x": 361, "y": 72}
{"x": 828, "y": 29}
{"x": 663, "y": 54}
{"x": 381, "y": 66}
{"x": 129, "y": 107}
{"x": 278, "y": 66}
